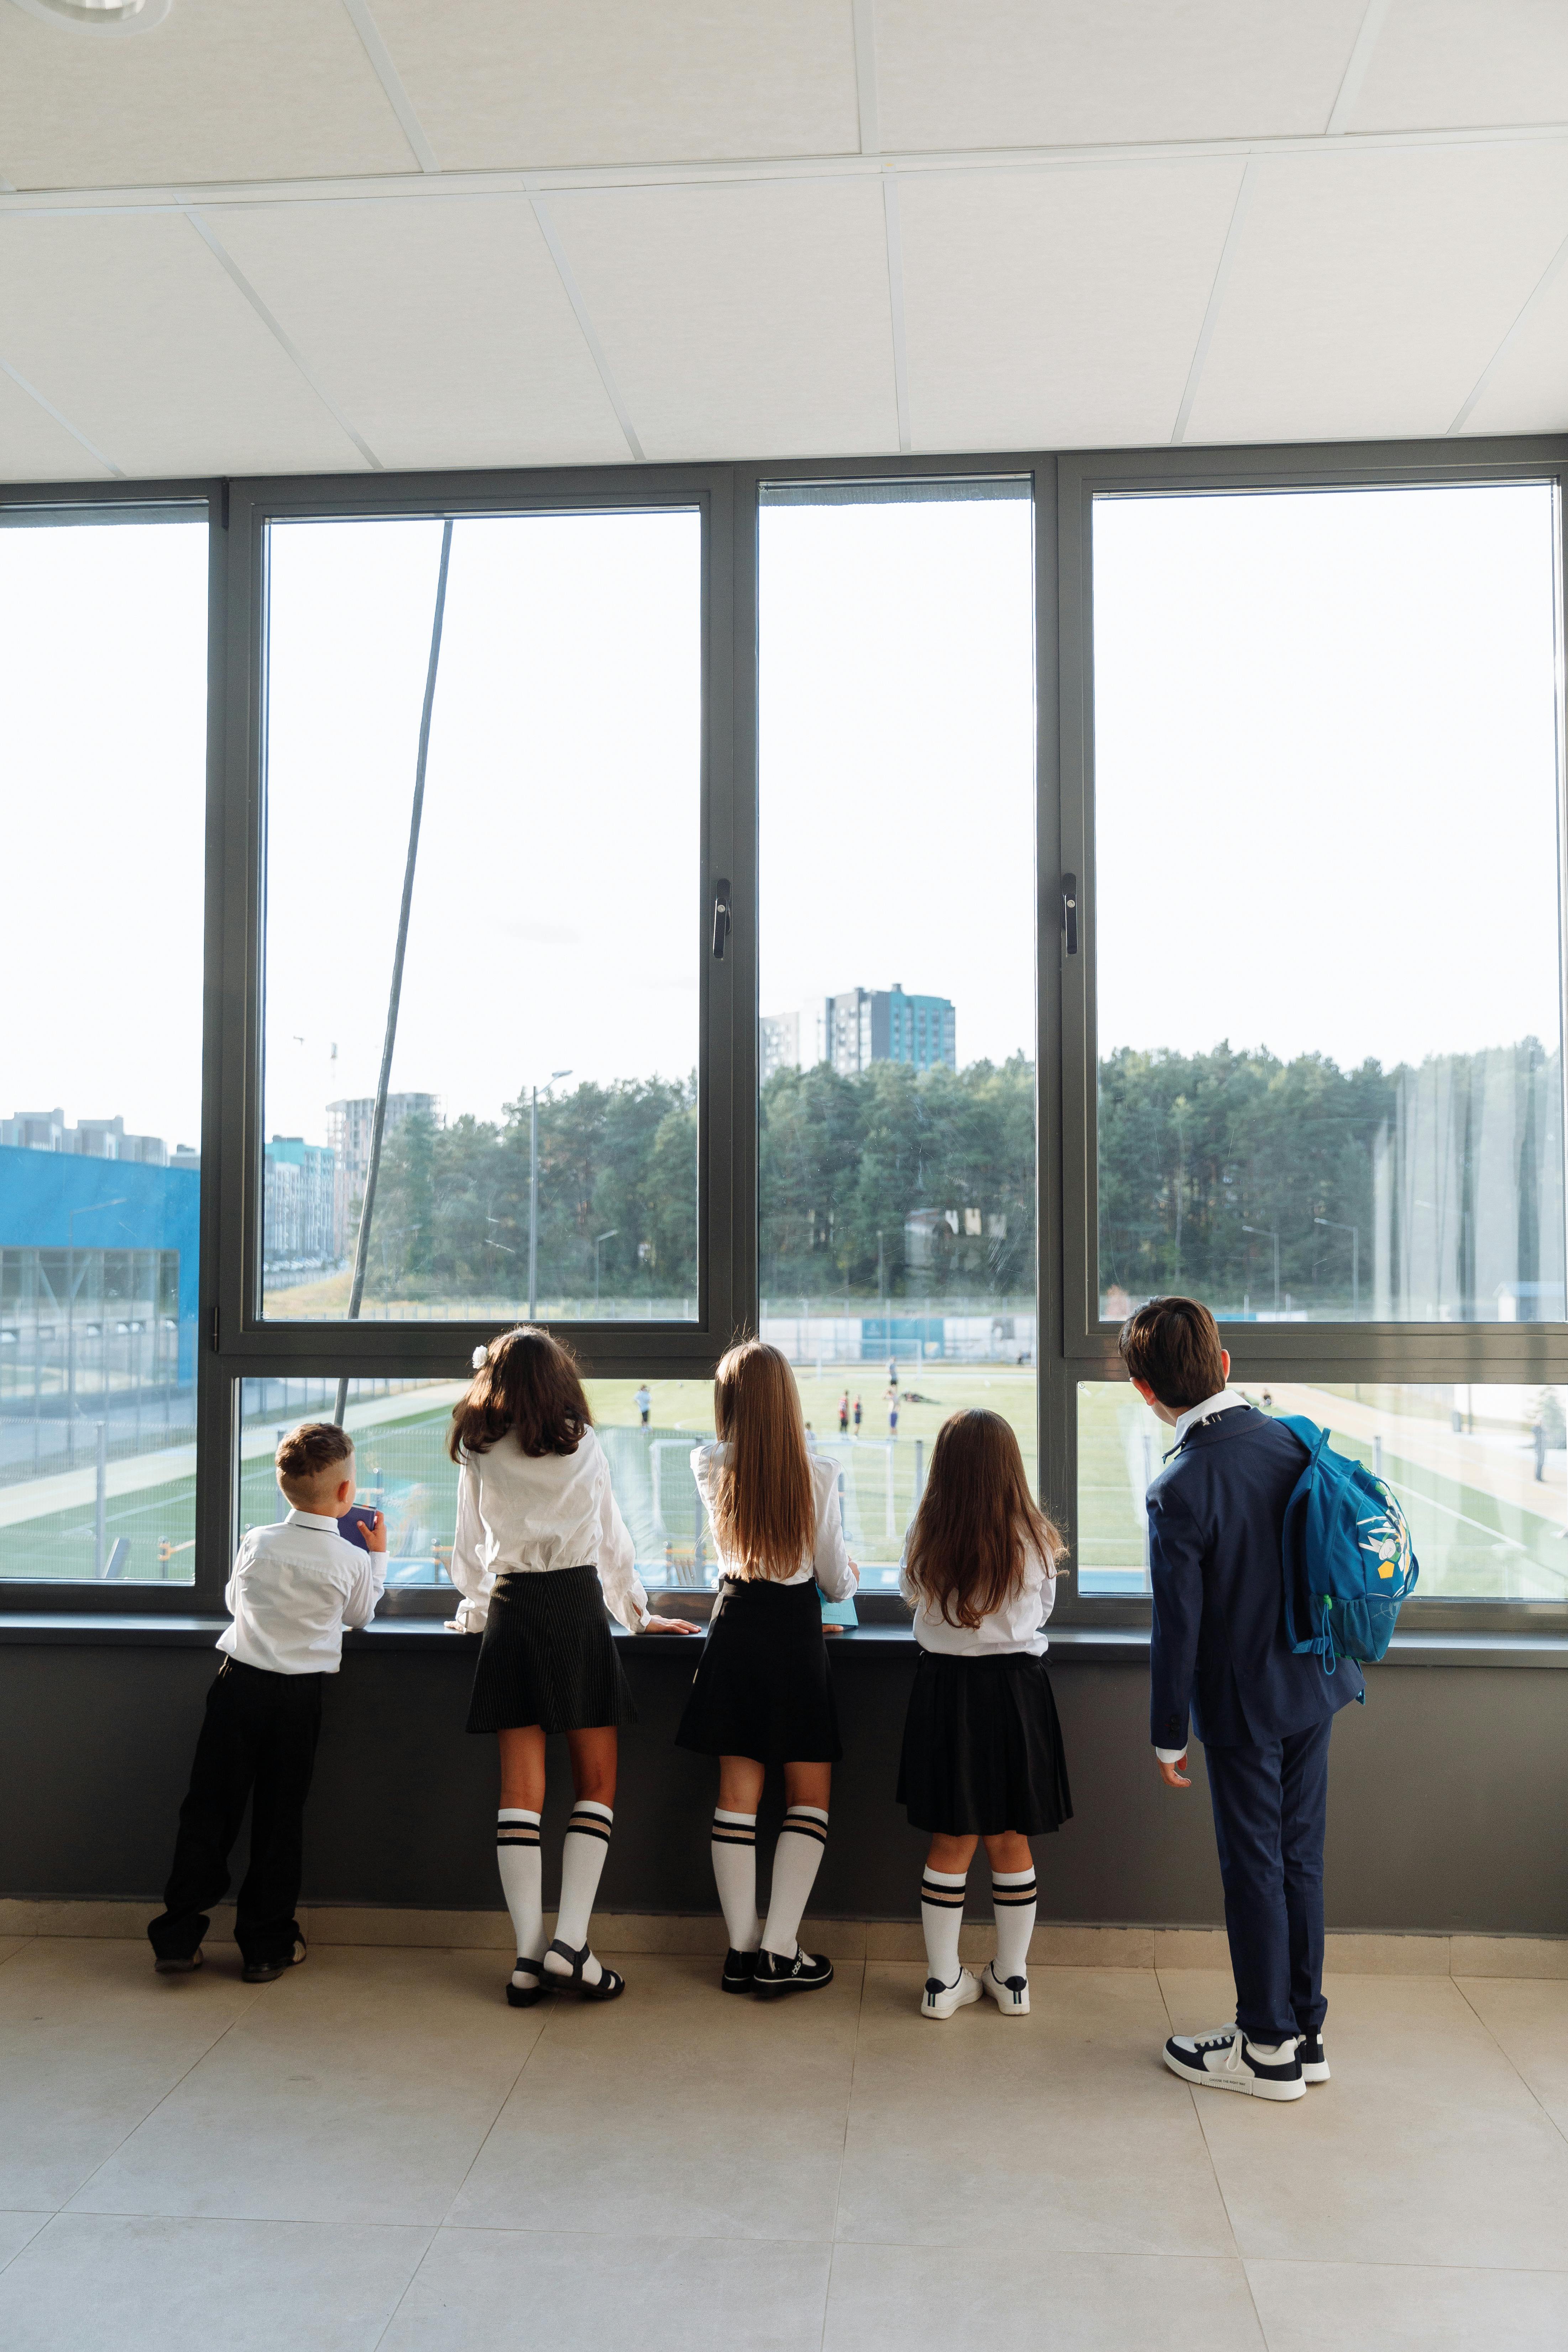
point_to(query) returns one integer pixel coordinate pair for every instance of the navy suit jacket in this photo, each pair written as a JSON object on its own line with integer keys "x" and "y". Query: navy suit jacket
{"x": 1218, "y": 1647}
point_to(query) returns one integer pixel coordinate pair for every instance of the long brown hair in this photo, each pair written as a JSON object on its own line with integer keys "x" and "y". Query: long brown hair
{"x": 765, "y": 1514}
{"x": 966, "y": 1554}
{"x": 527, "y": 1385}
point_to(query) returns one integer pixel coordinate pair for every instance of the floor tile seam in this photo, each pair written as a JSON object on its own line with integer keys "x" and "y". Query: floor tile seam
{"x": 1482, "y": 2269}
{"x": 200, "y": 2059}
{"x": 48, "y": 2217}
{"x": 848, "y": 2115}
{"x": 407, "y": 2284}
{"x": 1197, "y": 2115}
{"x": 501, "y": 2110}
{"x": 1517, "y": 2073}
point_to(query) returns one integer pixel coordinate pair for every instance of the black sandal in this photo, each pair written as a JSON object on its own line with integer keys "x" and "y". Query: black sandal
{"x": 524, "y": 1995}
{"x": 609, "y": 1987}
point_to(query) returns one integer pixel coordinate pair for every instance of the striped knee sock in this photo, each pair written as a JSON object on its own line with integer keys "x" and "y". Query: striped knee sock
{"x": 582, "y": 1860}
{"x": 941, "y": 1916}
{"x": 1013, "y": 1898}
{"x": 517, "y": 1859}
{"x": 735, "y": 1850}
{"x": 797, "y": 1859}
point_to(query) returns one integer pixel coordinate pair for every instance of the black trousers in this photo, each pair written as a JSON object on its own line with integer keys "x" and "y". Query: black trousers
{"x": 1270, "y": 1805}
{"x": 257, "y": 1741}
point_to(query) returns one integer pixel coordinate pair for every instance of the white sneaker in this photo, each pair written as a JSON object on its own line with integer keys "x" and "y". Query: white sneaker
{"x": 940, "y": 2000}
{"x": 1011, "y": 1994}
{"x": 1227, "y": 2061}
{"x": 1314, "y": 2063}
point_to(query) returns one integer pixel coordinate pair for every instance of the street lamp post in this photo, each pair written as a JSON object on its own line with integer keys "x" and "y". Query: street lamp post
{"x": 533, "y": 1193}
{"x": 1266, "y": 1234}
{"x": 599, "y": 1239}
{"x": 1354, "y": 1233}
{"x": 88, "y": 1209}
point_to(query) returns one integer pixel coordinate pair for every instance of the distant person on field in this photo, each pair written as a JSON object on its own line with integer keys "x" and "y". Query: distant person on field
{"x": 856, "y": 1416}
{"x": 1218, "y": 1652}
{"x": 892, "y": 1412}
{"x": 844, "y": 1414}
{"x": 644, "y": 1402}
{"x": 294, "y": 1588}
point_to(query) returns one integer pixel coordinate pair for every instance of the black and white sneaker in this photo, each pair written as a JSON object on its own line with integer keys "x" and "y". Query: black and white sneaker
{"x": 1227, "y": 2061}
{"x": 179, "y": 1964}
{"x": 1011, "y": 1994}
{"x": 804, "y": 1973}
{"x": 1314, "y": 2066}
{"x": 941, "y": 2000}
{"x": 739, "y": 1971}
{"x": 268, "y": 1971}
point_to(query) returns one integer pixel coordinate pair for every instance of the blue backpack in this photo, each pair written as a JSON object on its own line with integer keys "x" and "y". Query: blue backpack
{"x": 1347, "y": 1553}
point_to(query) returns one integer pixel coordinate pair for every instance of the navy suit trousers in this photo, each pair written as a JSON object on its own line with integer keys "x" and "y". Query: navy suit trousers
{"x": 1270, "y": 1803}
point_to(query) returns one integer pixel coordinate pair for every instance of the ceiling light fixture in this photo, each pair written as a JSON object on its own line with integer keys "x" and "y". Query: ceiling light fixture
{"x": 98, "y": 17}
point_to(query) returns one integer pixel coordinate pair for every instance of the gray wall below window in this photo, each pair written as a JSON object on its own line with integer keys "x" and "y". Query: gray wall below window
{"x": 1447, "y": 1809}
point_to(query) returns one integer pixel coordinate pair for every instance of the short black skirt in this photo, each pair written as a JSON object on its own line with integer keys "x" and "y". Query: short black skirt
{"x": 982, "y": 1748}
{"x": 547, "y": 1656}
{"x": 762, "y": 1686}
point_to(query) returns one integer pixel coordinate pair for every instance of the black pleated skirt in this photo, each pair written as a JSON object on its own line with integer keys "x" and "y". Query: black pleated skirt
{"x": 547, "y": 1656}
{"x": 762, "y": 1686}
{"x": 982, "y": 1748}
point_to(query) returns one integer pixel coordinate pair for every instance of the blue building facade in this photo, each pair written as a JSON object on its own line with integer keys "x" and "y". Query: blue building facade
{"x": 56, "y": 1200}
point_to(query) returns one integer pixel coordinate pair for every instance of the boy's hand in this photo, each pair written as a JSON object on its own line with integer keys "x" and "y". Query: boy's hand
{"x": 854, "y": 1567}
{"x": 668, "y": 1625}
{"x": 1171, "y": 1774}
{"x": 374, "y": 1533}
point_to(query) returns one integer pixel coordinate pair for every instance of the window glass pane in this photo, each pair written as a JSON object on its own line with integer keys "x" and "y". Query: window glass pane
{"x": 1478, "y": 1470}
{"x": 549, "y": 994}
{"x": 1328, "y": 968}
{"x": 103, "y": 726}
{"x": 897, "y": 1049}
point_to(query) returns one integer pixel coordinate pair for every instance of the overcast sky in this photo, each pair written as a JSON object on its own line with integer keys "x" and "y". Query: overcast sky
{"x": 1327, "y": 765}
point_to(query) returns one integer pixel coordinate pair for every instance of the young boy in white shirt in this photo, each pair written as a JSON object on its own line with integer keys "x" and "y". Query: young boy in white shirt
{"x": 294, "y": 1588}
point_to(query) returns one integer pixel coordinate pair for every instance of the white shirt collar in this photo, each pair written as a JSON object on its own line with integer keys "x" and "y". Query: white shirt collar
{"x": 312, "y": 1520}
{"x": 1226, "y": 1401}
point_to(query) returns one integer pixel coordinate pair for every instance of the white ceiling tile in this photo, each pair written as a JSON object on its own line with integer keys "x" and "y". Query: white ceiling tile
{"x": 1441, "y": 62}
{"x": 515, "y": 82}
{"x": 438, "y": 325}
{"x": 222, "y": 89}
{"x": 128, "y": 325}
{"x": 741, "y": 322}
{"x": 1049, "y": 73}
{"x": 1368, "y": 291}
{"x": 1057, "y": 308}
{"x": 34, "y": 448}
{"x": 1527, "y": 391}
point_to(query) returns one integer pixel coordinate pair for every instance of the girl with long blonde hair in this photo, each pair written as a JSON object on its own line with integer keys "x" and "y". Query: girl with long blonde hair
{"x": 762, "y": 1693}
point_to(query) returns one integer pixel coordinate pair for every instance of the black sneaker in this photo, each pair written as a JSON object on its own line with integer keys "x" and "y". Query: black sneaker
{"x": 804, "y": 1973}
{"x": 264, "y": 1971}
{"x": 739, "y": 1971}
{"x": 1227, "y": 2061}
{"x": 181, "y": 1965}
{"x": 1314, "y": 2066}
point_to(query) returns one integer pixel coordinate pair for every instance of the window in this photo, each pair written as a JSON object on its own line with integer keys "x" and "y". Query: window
{"x": 1328, "y": 962}
{"x": 896, "y": 1177}
{"x": 103, "y": 628}
{"x": 526, "y": 958}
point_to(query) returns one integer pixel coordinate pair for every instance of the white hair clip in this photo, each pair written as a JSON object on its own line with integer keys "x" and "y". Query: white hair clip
{"x": 479, "y": 1359}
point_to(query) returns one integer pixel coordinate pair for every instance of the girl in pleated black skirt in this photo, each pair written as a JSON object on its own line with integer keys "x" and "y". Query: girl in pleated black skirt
{"x": 983, "y": 1749}
{"x": 540, "y": 1549}
{"x": 762, "y": 1693}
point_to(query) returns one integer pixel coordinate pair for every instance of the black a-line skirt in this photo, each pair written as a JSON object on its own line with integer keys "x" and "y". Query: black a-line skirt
{"x": 982, "y": 1748}
{"x": 762, "y": 1686}
{"x": 547, "y": 1656}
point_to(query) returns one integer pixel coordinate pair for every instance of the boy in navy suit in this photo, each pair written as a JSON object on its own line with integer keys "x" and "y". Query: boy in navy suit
{"x": 1218, "y": 1653}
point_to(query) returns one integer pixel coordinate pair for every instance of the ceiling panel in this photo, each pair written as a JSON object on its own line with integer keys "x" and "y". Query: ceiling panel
{"x": 127, "y": 323}
{"x": 1048, "y": 73}
{"x": 33, "y": 448}
{"x": 1057, "y": 308}
{"x": 1369, "y": 291}
{"x": 1527, "y": 391}
{"x": 222, "y": 89}
{"x": 1441, "y": 62}
{"x": 515, "y": 82}
{"x": 741, "y": 322}
{"x": 439, "y": 327}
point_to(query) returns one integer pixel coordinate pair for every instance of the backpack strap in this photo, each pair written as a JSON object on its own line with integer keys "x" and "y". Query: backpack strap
{"x": 1312, "y": 1440}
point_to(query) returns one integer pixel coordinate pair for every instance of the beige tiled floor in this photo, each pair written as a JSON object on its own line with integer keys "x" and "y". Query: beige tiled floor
{"x": 377, "y": 2152}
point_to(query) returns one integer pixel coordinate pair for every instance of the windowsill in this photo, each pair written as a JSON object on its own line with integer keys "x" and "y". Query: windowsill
{"x": 1070, "y": 1644}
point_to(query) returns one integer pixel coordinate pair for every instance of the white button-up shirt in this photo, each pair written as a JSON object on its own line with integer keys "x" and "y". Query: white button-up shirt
{"x": 1017, "y": 1627}
{"x": 829, "y": 1560}
{"x": 524, "y": 1514}
{"x": 294, "y": 1588}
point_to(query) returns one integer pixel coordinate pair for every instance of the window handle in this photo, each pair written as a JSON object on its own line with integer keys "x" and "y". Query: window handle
{"x": 720, "y": 918}
{"x": 1069, "y": 911}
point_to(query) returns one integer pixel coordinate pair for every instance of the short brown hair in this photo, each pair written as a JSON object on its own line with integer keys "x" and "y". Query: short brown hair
{"x": 764, "y": 1509}
{"x": 1173, "y": 1345}
{"x": 966, "y": 1554}
{"x": 528, "y": 1385}
{"x": 305, "y": 1453}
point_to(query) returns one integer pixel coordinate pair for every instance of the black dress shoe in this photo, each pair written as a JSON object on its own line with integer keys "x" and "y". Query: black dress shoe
{"x": 804, "y": 1973}
{"x": 739, "y": 1971}
{"x": 264, "y": 1971}
{"x": 181, "y": 1965}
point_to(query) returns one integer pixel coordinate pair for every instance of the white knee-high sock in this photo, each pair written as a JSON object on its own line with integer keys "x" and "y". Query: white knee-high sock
{"x": 941, "y": 1916}
{"x": 797, "y": 1860}
{"x": 734, "y": 1853}
{"x": 517, "y": 1859}
{"x": 582, "y": 1860}
{"x": 1013, "y": 1898}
